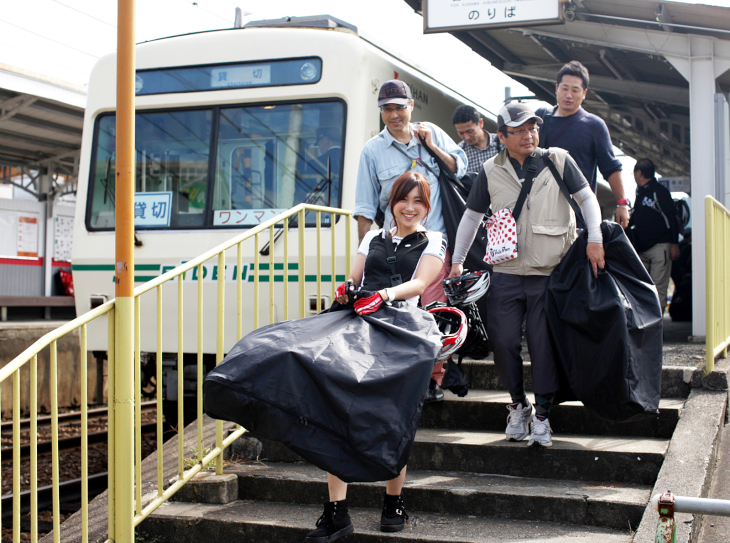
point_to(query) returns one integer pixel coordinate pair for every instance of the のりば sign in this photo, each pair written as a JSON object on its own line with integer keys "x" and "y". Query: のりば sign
{"x": 447, "y": 15}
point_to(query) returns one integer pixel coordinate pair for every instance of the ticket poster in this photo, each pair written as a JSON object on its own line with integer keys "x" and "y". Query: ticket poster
{"x": 27, "y": 236}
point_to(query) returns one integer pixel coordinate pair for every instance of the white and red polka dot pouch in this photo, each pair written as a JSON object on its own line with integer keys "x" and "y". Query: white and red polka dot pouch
{"x": 501, "y": 237}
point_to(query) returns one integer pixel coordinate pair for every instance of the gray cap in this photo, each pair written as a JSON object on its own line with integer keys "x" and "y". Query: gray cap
{"x": 515, "y": 114}
{"x": 394, "y": 92}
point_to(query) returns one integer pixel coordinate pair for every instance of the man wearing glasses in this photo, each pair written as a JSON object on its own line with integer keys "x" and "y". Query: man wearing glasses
{"x": 546, "y": 228}
{"x": 395, "y": 150}
{"x": 478, "y": 144}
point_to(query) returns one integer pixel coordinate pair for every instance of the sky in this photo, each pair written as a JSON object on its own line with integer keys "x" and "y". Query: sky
{"x": 64, "y": 38}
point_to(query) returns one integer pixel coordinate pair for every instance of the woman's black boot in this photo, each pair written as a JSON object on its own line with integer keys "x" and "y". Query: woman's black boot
{"x": 332, "y": 525}
{"x": 394, "y": 514}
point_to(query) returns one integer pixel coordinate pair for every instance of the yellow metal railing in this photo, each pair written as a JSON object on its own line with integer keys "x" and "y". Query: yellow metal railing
{"x": 203, "y": 457}
{"x": 717, "y": 285}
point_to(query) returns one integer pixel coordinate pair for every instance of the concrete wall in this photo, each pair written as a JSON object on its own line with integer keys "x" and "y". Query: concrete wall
{"x": 15, "y": 338}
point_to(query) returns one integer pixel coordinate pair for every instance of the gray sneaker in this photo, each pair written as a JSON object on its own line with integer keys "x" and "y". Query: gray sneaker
{"x": 518, "y": 421}
{"x": 540, "y": 433}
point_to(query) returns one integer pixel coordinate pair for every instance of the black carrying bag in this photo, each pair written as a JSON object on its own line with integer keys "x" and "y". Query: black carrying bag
{"x": 454, "y": 193}
{"x": 345, "y": 392}
{"x": 606, "y": 331}
{"x": 455, "y": 378}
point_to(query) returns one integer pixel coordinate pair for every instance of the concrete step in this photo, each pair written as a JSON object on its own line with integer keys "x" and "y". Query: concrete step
{"x": 286, "y": 523}
{"x": 486, "y": 410}
{"x": 483, "y": 375}
{"x": 613, "y": 459}
{"x": 459, "y": 493}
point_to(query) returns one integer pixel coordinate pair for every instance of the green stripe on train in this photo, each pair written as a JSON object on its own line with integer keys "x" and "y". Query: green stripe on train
{"x": 263, "y": 277}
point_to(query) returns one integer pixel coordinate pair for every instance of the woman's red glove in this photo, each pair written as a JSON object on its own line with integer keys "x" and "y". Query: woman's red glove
{"x": 365, "y": 306}
{"x": 341, "y": 290}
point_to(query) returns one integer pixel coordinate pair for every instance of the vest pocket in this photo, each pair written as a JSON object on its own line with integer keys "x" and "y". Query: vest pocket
{"x": 548, "y": 245}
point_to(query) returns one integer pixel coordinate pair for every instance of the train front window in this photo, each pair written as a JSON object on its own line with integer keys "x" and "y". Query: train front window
{"x": 271, "y": 158}
{"x": 171, "y": 174}
{"x": 268, "y": 158}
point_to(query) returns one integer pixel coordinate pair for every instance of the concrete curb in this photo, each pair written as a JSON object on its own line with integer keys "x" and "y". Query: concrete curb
{"x": 687, "y": 467}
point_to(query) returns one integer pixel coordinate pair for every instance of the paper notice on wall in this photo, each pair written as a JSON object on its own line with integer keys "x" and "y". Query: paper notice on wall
{"x": 27, "y": 236}
{"x": 63, "y": 238}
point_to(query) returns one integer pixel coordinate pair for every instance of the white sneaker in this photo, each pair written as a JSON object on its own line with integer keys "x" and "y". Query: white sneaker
{"x": 518, "y": 421}
{"x": 540, "y": 433}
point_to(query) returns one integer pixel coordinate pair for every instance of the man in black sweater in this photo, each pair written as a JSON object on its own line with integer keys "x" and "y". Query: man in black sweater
{"x": 655, "y": 227}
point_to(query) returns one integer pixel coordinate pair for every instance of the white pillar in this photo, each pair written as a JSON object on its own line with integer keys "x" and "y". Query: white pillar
{"x": 700, "y": 68}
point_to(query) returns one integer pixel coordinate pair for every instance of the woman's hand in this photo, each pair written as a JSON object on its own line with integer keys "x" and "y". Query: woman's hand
{"x": 365, "y": 306}
{"x": 341, "y": 296}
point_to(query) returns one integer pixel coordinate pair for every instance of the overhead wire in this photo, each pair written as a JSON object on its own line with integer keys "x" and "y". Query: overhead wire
{"x": 197, "y": 5}
{"x": 47, "y": 38}
{"x": 84, "y": 13}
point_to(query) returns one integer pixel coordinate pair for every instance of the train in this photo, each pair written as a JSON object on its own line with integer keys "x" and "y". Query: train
{"x": 233, "y": 127}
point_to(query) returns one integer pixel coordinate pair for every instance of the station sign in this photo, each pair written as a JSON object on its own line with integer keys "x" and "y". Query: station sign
{"x": 448, "y": 15}
{"x": 676, "y": 184}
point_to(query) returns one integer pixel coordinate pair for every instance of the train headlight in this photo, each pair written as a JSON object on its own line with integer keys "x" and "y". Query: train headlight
{"x": 308, "y": 71}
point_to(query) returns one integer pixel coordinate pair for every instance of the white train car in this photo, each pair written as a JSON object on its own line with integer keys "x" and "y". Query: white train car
{"x": 233, "y": 127}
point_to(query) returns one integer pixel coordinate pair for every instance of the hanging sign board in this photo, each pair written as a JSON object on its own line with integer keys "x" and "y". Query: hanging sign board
{"x": 448, "y": 15}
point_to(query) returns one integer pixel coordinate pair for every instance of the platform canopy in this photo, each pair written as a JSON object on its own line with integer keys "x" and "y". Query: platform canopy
{"x": 41, "y": 120}
{"x": 634, "y": 87}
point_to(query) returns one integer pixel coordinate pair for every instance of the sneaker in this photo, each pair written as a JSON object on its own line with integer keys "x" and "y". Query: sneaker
{"x": 434, "y": 393}
{"x": 518, "y": 421}
{"x": 394, "y": 515}
{"x": 332, "y": 525}
{"x": 540, "y": 433}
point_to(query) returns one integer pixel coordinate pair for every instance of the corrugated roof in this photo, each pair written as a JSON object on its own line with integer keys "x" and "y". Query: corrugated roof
{"x": 636, "y": 90}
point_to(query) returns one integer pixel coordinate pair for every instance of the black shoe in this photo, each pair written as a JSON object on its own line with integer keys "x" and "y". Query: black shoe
{"x": 394, "y": 515}
{"x": 434, "y": 393}
{"x": 332, "y": 525}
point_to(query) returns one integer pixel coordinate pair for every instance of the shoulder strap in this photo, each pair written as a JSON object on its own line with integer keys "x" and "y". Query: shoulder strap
{"x": 544, "y": 130}
{"x": 526, "y": 187}
{"x": 395, "y": 278}
{"x": 559, "y": 178}
{"x": 443, "y": 167}
{"x": 661, "y": 210}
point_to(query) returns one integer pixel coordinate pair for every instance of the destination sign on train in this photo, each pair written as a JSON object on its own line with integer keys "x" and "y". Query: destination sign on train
{"x": 447, "y": 15}
{"x": 297, "y": 71}
{"x": 240, "y": 76}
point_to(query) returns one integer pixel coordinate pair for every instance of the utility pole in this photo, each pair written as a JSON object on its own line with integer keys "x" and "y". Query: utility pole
{"x": 123, "y": 372}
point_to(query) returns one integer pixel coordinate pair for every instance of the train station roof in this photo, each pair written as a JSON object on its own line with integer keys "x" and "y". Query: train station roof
{"x": 627, "y": 46}
{"x": 41, "y": 120}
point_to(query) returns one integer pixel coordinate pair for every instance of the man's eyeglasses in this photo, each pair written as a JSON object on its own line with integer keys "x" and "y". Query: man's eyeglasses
{"x": 521, "y": 133}
{"x": 392, "y": 109}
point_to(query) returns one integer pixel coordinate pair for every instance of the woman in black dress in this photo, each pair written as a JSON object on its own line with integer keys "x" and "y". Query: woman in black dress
{"x": 419, "y": 257}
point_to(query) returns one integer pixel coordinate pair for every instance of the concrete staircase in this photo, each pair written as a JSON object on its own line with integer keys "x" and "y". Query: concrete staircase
{"x": 465, "y": 482}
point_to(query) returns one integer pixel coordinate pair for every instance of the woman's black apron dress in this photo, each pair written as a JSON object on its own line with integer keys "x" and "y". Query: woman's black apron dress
{"x": 343, "y": 391}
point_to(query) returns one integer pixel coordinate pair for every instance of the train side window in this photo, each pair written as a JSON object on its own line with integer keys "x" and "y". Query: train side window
{"x": 271, "y": 158}
{"x": 171, "y": 170}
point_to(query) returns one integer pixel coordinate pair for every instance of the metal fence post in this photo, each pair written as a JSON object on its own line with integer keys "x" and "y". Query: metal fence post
{"x": 666, "y": 530}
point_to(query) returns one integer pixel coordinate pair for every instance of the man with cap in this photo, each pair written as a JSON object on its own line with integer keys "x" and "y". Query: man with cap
{"x": 384, "y": 158}
{"x": 546, "y": 228}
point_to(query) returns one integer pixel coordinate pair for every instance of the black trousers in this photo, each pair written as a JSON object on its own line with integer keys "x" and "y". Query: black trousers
{"x": 511, "y": 299}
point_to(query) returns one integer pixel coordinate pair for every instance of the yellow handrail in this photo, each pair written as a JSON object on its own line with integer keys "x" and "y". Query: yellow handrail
{"x": 717, "y": 285}
{"x": 128, "y": 511}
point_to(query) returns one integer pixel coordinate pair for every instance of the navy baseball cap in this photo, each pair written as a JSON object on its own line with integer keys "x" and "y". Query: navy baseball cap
{"x": 515, "y": 114}
{"x": 394, "y": 92}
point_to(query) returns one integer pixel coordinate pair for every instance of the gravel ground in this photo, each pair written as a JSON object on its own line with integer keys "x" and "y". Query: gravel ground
{"x": 69, "y": 468}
